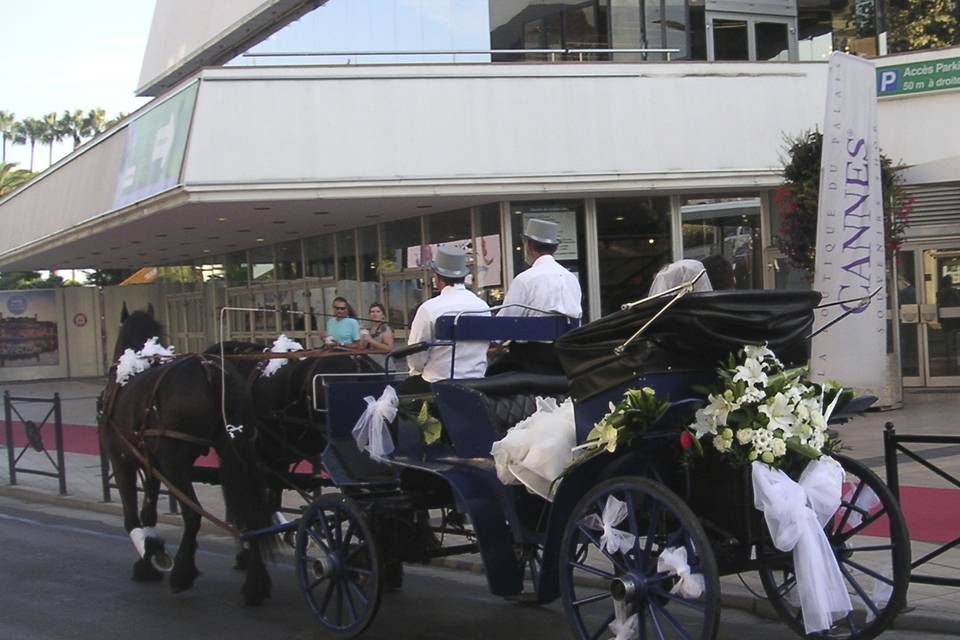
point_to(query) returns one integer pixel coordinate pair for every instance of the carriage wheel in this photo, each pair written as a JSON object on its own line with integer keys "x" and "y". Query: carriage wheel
{"x": 338, "y": 565}
{"x": 603, "y": 588}
{"x": 877, "y": 571}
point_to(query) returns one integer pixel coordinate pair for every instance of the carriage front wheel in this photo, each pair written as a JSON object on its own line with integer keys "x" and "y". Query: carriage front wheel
{"x": 338, "y": 565}
{"x": 868, "y": 535}
{"x": 635, "y": 562}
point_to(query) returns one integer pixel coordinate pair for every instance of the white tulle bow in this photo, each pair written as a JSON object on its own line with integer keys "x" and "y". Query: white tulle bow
{"x": 796, "y": 513}
{"x": 612, "y": 539}
{"x": 624, "y": 626}
{"x": 371, "y": 431}
{"x": 674, "y": 560}
{"x": 867, "y": 500}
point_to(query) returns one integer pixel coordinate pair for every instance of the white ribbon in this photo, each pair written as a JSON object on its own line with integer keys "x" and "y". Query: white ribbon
{"x": 371, "y": 431}
{"x": 612, "y": 539}
{"x": 624, "y": 625}
{"x": 867, "y": 500}
{"x": 233, "y": 430}
{"x": 674, "y": 560}
{"x": 133, "y": 362}
{"x": 796, "y": 513}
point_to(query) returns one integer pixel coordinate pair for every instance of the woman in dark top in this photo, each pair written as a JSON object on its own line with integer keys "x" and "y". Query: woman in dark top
{"x": 378, "y": 338}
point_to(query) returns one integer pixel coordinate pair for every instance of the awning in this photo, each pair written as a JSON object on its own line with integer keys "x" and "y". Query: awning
{"x": 146, "y": 275}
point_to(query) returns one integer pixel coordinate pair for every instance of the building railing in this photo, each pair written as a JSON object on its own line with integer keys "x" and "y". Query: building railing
{"x": 892, "y": 445}
{"x": 553, "y": 55}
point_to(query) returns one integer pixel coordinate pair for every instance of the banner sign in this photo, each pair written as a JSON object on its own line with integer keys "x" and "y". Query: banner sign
{"x": 28, "y": 329}
{"x": 156, "y": 143}
{"x": 850, "y": 242}
{"x": 918, "y": 77}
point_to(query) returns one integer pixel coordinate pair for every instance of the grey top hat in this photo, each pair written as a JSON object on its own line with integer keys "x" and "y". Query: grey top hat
{"x": 451, "y": 262}
{"x": 542, "y": 231}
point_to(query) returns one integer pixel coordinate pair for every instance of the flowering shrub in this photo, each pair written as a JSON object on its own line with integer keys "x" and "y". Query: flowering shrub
{"x": 765, "y": 412}
{"x": 798, "y": 201}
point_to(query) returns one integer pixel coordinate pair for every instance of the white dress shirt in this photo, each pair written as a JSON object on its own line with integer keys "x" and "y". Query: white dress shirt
{"x": 434, "y": 363}
{"x": 545, "y": 285}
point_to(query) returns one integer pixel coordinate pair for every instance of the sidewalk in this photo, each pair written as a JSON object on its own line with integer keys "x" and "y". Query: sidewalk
{"x": 923, "y": 494}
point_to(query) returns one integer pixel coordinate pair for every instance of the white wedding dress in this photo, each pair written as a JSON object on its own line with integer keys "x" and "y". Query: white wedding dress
{"x": 537, "y": 450}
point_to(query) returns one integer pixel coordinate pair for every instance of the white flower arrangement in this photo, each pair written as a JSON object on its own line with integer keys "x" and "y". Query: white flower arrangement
{"x": 764, "y": 412}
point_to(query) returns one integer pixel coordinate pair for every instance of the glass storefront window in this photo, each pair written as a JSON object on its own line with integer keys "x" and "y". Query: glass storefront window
{"x": 348, "y": 285}
{"x": 289, "y": 261}
{"x": 261, "y": 264}
{"x": 319, "y": 251}
{"x": 729, "y": 227}
{"x": 730, "y": 40}
{"x": 488, "y": 254}
{"x": 568, "y": 214}
{"x": 369, "y": 271}
{"x": 634, "y": 239}
{"x": 773, "y": 41}
{"x": 237, "y": 269}
{"x": 402, "y": 246}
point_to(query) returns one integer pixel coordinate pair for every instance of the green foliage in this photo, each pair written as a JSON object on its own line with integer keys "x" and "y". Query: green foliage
{"x": 11, "y": 177}
{"x": 798, "y": 201}
{"x": 923, "y": 24}
{"x": 108, "y": 277}
{"x": 10, "y": 280}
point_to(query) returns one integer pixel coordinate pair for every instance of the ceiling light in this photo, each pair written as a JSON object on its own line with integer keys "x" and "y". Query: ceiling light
{"x": 206, "y": 250}
{"x": 221, "y": 219}
{"x": 243, "y": 230}
{"x": 373, "y": 215}
{"x": 619, "y": 218}
{"x": 321, "y": 213}
{"x": 278, "y": 222}
{"x": 189, "y": 228}
{"x": 329, "y": 224}
{"x": 136, "y": 242}
{"x": 213, "y": 237}
{"x": 160, "y": 235}
{"x": 261, "y": 208}
{"x": 293, "y": 233}
{"x": 424, "y": 206}
{"x": 651, "y": 241}
{"x": 260, "y": 240}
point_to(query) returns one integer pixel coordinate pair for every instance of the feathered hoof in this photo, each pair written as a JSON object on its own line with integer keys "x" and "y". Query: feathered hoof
{"x": 256, "y": 589}
{"x": 143, "y": 571}
{"x": 183, "y": 579}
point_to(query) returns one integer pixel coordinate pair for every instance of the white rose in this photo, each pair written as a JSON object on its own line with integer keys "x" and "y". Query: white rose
{"x": 778, "y": 447}
{"x": 744, "y": 435}
{"x": 722, "y": 444}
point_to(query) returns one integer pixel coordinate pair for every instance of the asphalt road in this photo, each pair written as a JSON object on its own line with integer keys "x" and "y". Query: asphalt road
{"x": 66, "y": 574}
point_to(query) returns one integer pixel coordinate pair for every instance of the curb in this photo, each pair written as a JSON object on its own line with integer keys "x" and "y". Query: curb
{"x": 733, "y": 596}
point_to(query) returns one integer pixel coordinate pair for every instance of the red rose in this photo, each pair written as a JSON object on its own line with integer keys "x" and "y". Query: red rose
{"x": 686, "y": 441}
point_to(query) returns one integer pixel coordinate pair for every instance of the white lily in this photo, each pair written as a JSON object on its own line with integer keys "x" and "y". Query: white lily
{"x": 759, "y": 352}
{"x": 751, "y": 372}
{"x": 779, "y": 414}
{"x": 705, "y": 423}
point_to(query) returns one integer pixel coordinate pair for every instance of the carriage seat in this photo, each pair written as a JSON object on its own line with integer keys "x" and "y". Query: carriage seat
{"x": 475, "y": 413}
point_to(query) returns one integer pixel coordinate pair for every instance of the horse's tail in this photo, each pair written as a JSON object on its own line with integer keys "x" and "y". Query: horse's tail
{"x": 242, "y": 475}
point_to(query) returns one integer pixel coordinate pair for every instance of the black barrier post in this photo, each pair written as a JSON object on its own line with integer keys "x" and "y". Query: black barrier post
{"x": 9, "y": 433}
{"x": 890, "y": 459}
{"x": 58, "y": 438}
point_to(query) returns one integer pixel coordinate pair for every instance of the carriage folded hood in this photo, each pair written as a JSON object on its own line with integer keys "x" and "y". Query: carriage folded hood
{"x": 699, "y": 330}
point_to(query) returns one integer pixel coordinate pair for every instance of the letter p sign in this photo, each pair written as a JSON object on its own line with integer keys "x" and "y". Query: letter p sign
{"x": 889, "y": 81}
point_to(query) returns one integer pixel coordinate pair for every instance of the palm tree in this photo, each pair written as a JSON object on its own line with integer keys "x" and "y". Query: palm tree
{"x": 52, "y": 133}
{"x": 11, "y": 177}
{"x": 95, "y": 121}
{"x": 74, "y": 124}
{"x": 115, "y": 120}
{"x": 8, "y": 124}
{"x": 30, "y": 131}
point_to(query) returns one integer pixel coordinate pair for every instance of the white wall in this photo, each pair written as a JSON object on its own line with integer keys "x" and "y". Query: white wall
{"x": 498, "y": 122}
{"x": 83, "y": 326}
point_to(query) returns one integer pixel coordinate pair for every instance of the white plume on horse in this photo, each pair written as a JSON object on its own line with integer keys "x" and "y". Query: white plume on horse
{"x": 133, "y": 362}
{"x": 283, "y": 344}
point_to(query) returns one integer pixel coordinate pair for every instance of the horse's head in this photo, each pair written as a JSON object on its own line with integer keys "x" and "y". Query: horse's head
{"x": 135, "y": 329}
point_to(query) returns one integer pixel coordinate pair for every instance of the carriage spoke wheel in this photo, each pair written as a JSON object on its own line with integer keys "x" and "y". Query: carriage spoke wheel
{"x": 869, "y": 538}
{"x": 338, "y": 565}
{"x": 604, "y": 590}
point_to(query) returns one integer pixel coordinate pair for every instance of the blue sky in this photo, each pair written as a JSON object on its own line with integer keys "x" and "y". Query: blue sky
{"x": 65, "y": 54}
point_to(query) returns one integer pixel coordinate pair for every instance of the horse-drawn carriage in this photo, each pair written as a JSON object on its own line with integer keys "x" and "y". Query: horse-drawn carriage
{"x": 634, "y": 539}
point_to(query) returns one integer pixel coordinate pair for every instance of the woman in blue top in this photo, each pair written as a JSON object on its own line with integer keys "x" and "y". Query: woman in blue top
{"x": 341, "y": 329}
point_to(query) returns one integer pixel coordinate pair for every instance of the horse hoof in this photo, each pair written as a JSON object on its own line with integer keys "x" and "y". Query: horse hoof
{"x": 182, "y": 580}
{"x": 155, "y": 553}
{"x": 240, "y": 562}
{"x": 143, "y": 571}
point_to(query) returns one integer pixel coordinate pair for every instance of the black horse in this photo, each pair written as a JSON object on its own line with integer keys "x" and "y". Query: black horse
{"x": 292, "y": 431}
{"x": 161, "y": 421}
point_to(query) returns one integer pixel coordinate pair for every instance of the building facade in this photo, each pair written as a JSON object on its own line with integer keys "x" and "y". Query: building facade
{"x": 297, "y": 151}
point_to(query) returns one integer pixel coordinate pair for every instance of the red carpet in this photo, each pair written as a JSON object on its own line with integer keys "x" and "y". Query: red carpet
{"x": 77, "y": 438}
{"x": 933, "y": 515}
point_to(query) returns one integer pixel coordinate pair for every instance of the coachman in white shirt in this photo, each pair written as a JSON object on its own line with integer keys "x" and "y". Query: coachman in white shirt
{"x": 449, "y": 271}
{"x": 546, "y": 286}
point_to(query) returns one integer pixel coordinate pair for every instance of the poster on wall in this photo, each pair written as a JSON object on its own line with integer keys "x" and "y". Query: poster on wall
{"x": 488, "y": 258}
{"x": 566, "y": 219}
{"x": 28, "y": 329}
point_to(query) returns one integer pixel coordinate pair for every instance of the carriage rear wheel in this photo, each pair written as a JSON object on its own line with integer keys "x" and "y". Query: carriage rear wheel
{"x": 338, "y": 565}
{"x": 628, "y": 591}
{"x": 869, "y": 537}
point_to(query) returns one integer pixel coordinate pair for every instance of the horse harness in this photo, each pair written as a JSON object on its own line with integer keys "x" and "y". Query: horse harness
{"x": 139, "y": 450}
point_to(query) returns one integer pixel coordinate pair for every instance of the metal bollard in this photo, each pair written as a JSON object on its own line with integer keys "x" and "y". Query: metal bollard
{"x": 890, "y": 459}
{"x": 8, "y": 417}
